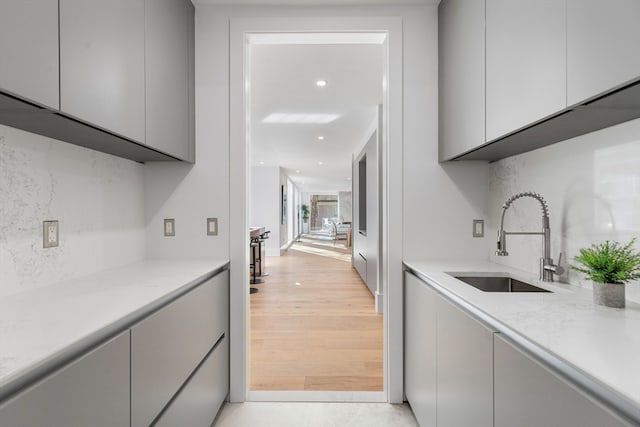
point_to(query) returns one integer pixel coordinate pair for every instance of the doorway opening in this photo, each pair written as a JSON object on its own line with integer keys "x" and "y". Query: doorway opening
{"x": 243, "y": 33}
{"x": 313, "y": 104}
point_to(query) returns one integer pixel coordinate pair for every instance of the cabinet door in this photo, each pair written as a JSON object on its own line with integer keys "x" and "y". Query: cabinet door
{"x": 29, "y": 50}
{"x": 526, "y": 63}
{"x": 461, "y": 59}
{"x": 167, "y": 55}
{"x": 102, "y": 64}
{"x": 91, "y": 391}
{"x": 201, "y": 398}
{"x": 464, "y": 369}
{"x": 420, "y": 349}
{"x": 167, "y": 346}
{"x": 529, "y": 395}
{"x": 602, "y": 46}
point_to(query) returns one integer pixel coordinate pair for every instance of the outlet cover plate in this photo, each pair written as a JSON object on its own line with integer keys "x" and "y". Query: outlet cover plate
{"x": 478, "y": 228}
{"x": 169, "y": 227}
{"x": 212, "y": 226}
{"x": 50, "y": 234}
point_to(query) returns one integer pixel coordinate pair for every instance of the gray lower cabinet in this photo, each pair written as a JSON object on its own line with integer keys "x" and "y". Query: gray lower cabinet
{"x": 102, "y": 64}
{"x": 602, "y": 45}
{"x": 169, "y": 59}
{"x": 464, "y": 369}
{"x": 526, "y": 63}
{"x": 461, "y": 62}
{"x": 529, "y": 395}
{"x": 91, "y": 391}
{"x": 420, "y": 349}
{"x": 29, "y": 50}
{"x": 199, "y": 401}
{"x": 167, "y": 346}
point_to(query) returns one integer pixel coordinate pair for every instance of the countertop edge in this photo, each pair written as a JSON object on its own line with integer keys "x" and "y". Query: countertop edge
{"x": 620, "y": 404}
{"x": 25, "y": 378}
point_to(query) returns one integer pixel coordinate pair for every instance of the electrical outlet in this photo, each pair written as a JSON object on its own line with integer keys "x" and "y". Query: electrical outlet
{"x": 169, "y": 227}
{"x": 50, "y": 234}
{"x": 212, "y": 226}
{"x": 478, "y": 228}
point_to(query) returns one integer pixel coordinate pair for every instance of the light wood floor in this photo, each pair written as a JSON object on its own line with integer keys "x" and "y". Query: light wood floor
{"x": 313, "y": 324}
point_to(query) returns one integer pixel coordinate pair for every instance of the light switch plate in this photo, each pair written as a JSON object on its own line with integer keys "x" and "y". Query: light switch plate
{"x": 169, "y": 227}
{"x": 478, "y": 228}
{"x": 50, "y": 234}
{"x": 212, "y": 226}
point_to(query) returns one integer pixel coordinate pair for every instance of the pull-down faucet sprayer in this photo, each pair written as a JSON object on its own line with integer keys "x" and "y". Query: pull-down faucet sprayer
{"x": 547, "y": 267}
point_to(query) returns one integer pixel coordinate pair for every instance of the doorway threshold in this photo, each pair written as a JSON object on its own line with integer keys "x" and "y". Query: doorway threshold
{"x": 317, "y": 396}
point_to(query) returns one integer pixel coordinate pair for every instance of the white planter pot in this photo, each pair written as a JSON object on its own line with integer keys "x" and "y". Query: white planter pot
{"x": 609, "y": 294}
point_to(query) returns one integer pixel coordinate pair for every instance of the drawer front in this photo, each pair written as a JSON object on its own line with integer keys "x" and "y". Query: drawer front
{"x": 167, "y": 346}
{"x": 201, "y": 399}
{"x": 91, "y": 391}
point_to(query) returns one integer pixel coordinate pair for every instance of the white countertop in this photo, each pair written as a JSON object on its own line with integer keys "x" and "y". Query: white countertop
{"x": 40, "y": 325}
{"x": 600, "y": 341}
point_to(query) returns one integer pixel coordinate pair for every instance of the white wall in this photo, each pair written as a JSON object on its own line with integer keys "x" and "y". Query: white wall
{"x": 97, "y": 199}
{"x": 440, "y": 200}
{"x": 265, "y": 204}
{"x": 592, "y": 186}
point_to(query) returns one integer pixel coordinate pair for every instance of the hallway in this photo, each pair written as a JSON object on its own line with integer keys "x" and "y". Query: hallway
{"x": 313, "y": 323}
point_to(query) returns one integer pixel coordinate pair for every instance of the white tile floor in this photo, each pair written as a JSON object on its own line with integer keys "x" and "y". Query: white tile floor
{"x": 296, "y": 414}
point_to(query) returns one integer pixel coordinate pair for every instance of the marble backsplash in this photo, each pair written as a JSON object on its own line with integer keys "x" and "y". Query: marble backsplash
{"x": 97, "y": 198}
{"x": 592, "y": 186}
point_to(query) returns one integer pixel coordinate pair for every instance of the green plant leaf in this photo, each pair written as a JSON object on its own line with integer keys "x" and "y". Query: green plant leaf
{"x": 609, "y": 262}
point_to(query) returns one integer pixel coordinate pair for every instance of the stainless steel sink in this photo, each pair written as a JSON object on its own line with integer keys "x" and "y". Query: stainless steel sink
{"x": 499, "y": 284}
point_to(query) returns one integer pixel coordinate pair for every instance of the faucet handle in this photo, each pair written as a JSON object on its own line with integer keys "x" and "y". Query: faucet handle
{"x": 556, "y": 268}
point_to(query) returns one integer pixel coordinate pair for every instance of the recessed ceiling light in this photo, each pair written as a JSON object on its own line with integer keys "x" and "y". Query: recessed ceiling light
{"x": 349, "y": 179}
{"x": 321, "y": 83}
{"x": 320, "y": 163}
{"x": 262, "y": 163}
{"x": 321, "y": 137}
{"x": 297, "y": 170}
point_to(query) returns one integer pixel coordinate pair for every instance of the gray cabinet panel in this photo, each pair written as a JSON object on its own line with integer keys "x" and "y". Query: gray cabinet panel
{"x": 91, "y": 391}
{"x": 461, "y": 60}
{"x": 191, "y": 34}
{"x": 529, "y": 395}
{"x": 420, "y": 349}
{"x": 167, "y": 57}
{"x": 167, "y": 346}
{"x": 464, "y": 369}
{"x": 199, "y": 402}
{"x": 29, "y": 50}
{"x": 526, "y": 63}
{"x": 602, "y": 46}
{"x": 102, "y": 64}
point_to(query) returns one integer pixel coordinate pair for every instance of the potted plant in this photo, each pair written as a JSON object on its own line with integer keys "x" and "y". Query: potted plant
{"x": 610, "y": 266}
{"x": 305, "y": 214}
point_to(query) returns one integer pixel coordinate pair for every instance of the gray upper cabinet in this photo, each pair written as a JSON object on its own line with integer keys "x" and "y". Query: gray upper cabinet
{"x": 102, "y": 64}
{"x": 169, "y": 56}
{"x": 29, "y": 50}
{"x": 529, "y": 395}
{"x": 461, "y": 62}
{"x": 602, "y": 46}
{"x": 526, "y": 63}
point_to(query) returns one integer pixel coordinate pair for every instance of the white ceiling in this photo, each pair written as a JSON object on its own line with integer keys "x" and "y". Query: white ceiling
{"x": 294, "y": 3}
{"x": 283, "y": 81}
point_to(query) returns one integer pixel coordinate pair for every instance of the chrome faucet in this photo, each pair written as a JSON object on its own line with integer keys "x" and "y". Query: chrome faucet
{"x": 547, "y": 267}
